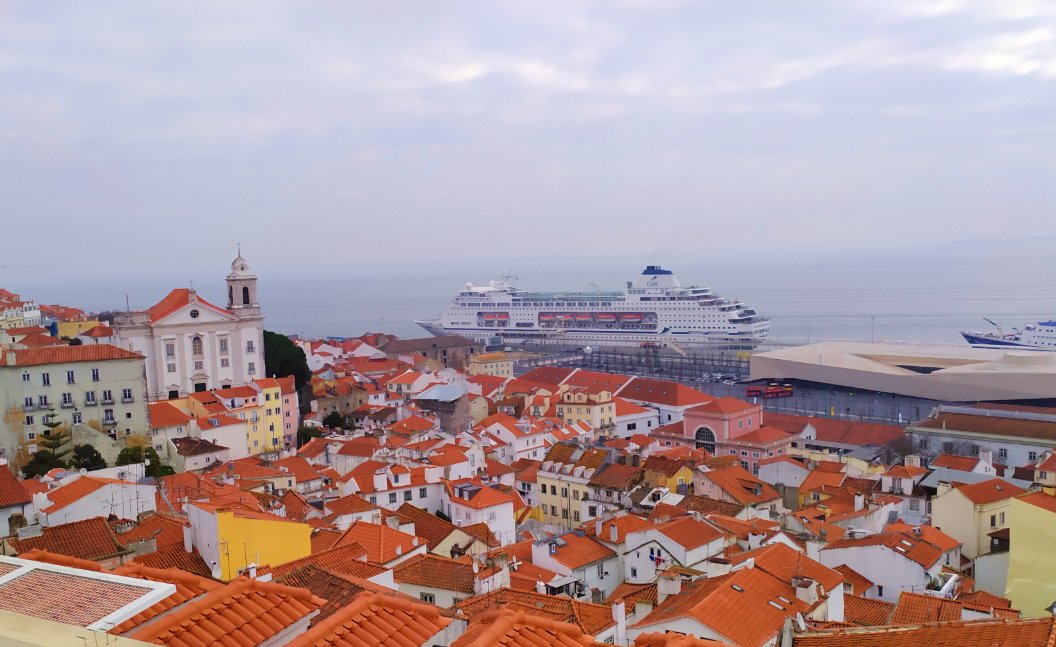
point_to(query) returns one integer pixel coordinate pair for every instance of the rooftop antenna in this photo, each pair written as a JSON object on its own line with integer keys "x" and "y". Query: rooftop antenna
{"x": 508, "y": 276}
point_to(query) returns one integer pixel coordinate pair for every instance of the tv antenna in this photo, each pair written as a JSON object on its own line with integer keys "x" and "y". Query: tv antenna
{"x": 509, "y": 276}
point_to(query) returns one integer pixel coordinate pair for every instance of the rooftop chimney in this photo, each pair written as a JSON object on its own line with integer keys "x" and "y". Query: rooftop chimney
{"x": 668, "y": 584}
{"x": 540, "y": 588}
{"x": 619, "y": 614}
{"x": 911, "y": 460}
{"x": 859, "y": 501}
{"x": 614, "y": 533}
{"x": 393, "y": 522}
{"x": 806, "y": 589}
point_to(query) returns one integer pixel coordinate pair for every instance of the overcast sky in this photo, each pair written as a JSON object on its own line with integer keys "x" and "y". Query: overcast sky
{"x": 136, "y": 137}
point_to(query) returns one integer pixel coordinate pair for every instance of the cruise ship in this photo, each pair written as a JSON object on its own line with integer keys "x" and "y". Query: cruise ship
{"x": 655, "y": 310}
{"x": 1040, "y": 336}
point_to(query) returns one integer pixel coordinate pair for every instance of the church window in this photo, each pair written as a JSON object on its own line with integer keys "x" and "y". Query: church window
{"x": 196, "y": 345}
{"x": 223, "y": 345}
{"x": 245, "y": 296}
{"x": 194, "y": 314}
{"x": 249, "y": 347}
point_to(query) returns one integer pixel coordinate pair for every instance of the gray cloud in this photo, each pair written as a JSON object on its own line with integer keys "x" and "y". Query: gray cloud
{"x": 374, "y": 131}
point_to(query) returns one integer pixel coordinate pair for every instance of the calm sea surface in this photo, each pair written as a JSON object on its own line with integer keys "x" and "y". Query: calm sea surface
{"x": 921, "y": 295}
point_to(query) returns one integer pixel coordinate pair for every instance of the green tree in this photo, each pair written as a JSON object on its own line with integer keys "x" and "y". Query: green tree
{"x": 134, "y": 455}
{"x": 333, "y": 419}
{"x": 304, "y": 434}
{"x": 156, "y": 469}
{"x": 54, "y": 439}
{"x": 283, "y": 358}
{"x": 42, "y": 463}
{"x": 87, "y": 457}
{"x": 130, "y": 456}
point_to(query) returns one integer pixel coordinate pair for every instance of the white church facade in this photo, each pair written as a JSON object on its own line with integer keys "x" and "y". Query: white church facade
{"x": 192, "y": 345}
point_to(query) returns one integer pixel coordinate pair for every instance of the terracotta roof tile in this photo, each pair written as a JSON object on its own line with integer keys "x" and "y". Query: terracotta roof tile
{"x": 435, "y": 571}
{"x": 722, "y": 603}
{"x": 784, "y": 563}
{"x": 165, "y": 530}
{"x": 725, "y": 406}
{"x": 832, "y": 430}
{"x": 859, "y": 583}
{"x": 917, "y": 608}
{"x": 514, "y": 628}
{"x": 910, "y": 546}
{"x": 324, "y": 539}
{"x": 740, "y": 485}
{"x": 591, "y": 618}
{"x": 1034, "y": 632}
{"x": 576, "y": 550}
{"x": 1040, "y": 499}
{"x": 175, "y": 556}
{"x": 674, "y": 639}
{"x": 12, "y": 491}
{"x": 188, "y": 587}
{"x": 342, "y": 560}
{"x": 867, "y": 612}
{"x": 67, "y": 354}
{"x": 90, "y": 539}
{"x": 375, "y": 619}
{"x": 427, "y": 526}
{"x": 242, "y": 612}
{"x": 337, "y": 590}
{"x": 66, "y": 597}
{"x": 383, "y": 544}
{"x": 985, "y": 492}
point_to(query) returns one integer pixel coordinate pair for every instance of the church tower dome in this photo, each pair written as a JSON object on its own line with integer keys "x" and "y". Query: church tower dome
{"x": 242, "y": 288}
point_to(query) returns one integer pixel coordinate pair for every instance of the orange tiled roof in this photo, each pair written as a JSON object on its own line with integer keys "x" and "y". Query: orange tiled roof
{"x": 838, "y": 431}
{"x": 578, "y": 551}
{"x": 165, "y": 530}
{"x": 913, "y": 548}
{"x": 90, "y": 539}
{"x": 188, "y": 587}
{"x": 990, "y": 491}
{"x": 428, "y": 526}
{"x": 662, "y": 392}
{"x": 337, "y": 590}
{"x": 1033, "y": 632}
{"x": 785, "y": 563}
{"x": 623, "y": 524}
{"x": 986, "y": 599}
{"x": 12, "y": 491}
{"x": 724, "y": 406}
{"x": 67, "y": 354}
{"x": 928, "y": 533}
{"x": 175, "y": 556}
{"x": 689, "y": 532}
{"x": 383, "y": 544}
{"x": 954, "y": 462}
{"x": 520, "y": 629}
{"x": 1040, "y": 499}
{"x": 722, "y": 604}
{"x": 375, "y": 619}
{"x": 243, "y": 612}
{"x": 859, "y": 583}
{"x": 916, "y": 608}
{"x": 436, "y": 571}
{"x": 76, "y": 490}
{"x": 591, "y": 618}
{"x": 740, "y": 485}
{"x": 866, "y": 612}
{"x": 674, "y": 639}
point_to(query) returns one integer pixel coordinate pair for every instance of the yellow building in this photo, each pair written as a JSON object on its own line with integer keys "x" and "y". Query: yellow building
{"x": 497, "y": 364}
{"x": 563, "y": 482}
{"x": 231, "y": 540}
{"x": 248, "y": 404}
{"x": 675, "y": 475}
{"x": 1031, "y": 560}
{"x": 597, "y": 408}
{"x": 969, "y": 513}
{"x": 270, "y": 399}
{"x": 70, "y": 329}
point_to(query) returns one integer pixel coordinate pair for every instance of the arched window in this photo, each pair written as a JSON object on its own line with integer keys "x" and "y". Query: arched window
{"x": 706, "y": 439}
{"x": 231, "y": 295}
{"x": 196, "y": 345}
{"x": 245, "y": 296}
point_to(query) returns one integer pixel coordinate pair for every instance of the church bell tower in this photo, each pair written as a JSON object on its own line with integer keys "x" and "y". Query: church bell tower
{"x": 242, "y": 289}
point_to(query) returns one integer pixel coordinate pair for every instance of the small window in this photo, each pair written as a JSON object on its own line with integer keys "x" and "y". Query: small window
{"x": 429, "y": 598}
{"x": 392, "y": 497}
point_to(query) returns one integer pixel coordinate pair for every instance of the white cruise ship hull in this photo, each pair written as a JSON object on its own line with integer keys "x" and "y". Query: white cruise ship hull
{"x": 654, "y": 310}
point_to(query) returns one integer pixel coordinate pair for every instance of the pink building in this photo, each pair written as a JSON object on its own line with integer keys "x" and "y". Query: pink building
{"x": 728, "y": 427}
{"x": 291, "y": 411}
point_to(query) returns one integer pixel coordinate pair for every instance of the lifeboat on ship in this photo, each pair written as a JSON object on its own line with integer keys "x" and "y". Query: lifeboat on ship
{"x": 631, "y": 318}
{"x": 606, "y": 318}
{"x": 546, "y": 317}
{"x": 584, "y": 317}
{"x": 490, "y": 316}
{"x": 503, "y": 316}
{"x": 564, "y": 317}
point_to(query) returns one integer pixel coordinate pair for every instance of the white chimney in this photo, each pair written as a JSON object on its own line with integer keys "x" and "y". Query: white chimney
{"x": 380, "y": 480}
{"x": 614, "y": 533}
{"x": 859, "y": 501}
{"x": 668, "y": 584}
{"x": 912, "y": 460}
{"x": 806, "y": 589}
{"x": 619, "y": 614}
{"x": 540, "y": 588}
{"x": 597, "y": 528}
{"x": 986, "y": 455}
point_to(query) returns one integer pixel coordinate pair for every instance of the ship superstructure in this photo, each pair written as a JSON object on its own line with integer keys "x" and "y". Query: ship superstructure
{"x": 654, "y": 309}
{"x": 1040, "y": 336}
